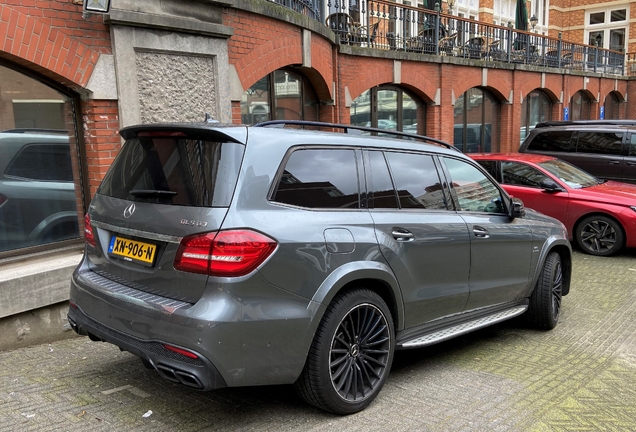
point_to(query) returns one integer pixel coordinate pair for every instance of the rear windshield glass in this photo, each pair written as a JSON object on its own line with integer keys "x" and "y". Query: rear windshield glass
{"x": 178, "y": 171}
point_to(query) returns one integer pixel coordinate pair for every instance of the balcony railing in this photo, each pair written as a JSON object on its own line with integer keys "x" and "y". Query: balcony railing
{"x": 382, "y": 24}
{"x": 305, "y": 7}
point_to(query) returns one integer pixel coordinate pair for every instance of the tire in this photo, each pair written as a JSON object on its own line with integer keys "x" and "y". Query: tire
{"x": 351, "y": 354}
{"x": 545, "y": 301}
{"x": 599, "y": 235}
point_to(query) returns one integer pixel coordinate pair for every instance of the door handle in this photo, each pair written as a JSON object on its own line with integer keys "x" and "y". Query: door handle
{"x": 631, "y": 163}
{"x": 402, "y": 235}
{"x": 614, "y": 162}
{"x": 480, "y": 232}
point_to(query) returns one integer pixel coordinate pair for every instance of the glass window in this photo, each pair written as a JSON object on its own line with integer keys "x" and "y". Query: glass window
{"x": 597, "y": 18}
{"x": 382, "y": 189}
{"x": 40, "y": 188}
{"x": 553, "y": 141}
{"x": 612, "y": 107}
{"x": 390, "y": 108}
{"x": 632, "y": 147}
{"x": 536, "y": 108}
{"x": 320, "y": 178}
{"x": 476, "y": 122}
{"x": 44, "y": 162}
{"x": 515, "y": 173}
{"x": 178, "y": 171}
{"x": 492, "y": 167}
{"x": 618, "y": 15}
{"x": 600, "y": 142}
{"x": 281, "y": 95}
{"x": 475, "y": 191}
{"x": 416, "y": 181}
{"x": 580, "y": 106}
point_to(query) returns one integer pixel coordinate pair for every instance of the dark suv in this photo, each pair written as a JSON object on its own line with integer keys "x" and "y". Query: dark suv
{"x": 240, "y": 256}
{"x": 607, "y": 151}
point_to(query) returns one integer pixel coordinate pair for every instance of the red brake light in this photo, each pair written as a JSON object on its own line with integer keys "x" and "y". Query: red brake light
{"x": 226, "y": 253}
{"x": 88, "y": 231}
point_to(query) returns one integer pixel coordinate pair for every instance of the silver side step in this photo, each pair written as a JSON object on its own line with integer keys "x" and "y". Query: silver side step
{"x": 456, "y": 330}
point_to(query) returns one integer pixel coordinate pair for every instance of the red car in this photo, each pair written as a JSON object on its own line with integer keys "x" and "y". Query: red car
{"x": 600, "y": 215}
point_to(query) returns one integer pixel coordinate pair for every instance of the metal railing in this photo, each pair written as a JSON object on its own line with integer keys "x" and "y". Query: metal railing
{"x": 305, "y": 7}
{"x": 381, "y": 24}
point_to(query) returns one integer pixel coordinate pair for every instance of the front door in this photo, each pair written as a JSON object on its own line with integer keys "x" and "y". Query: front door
{"x": 500, "y": 248}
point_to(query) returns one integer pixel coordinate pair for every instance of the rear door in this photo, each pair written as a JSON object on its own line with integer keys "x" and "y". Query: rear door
{"x": 163, "y": 186}
{"x": 425, "y": 242}
{"x": 600, "y": 153}
{"x": 500, "y": 248}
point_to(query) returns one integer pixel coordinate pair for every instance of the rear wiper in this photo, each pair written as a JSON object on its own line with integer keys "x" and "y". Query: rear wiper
{"x": 151, "y": 192}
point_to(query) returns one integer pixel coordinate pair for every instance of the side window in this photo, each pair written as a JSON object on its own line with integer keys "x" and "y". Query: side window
{"x": 520, "y": 174}
{"x": 492, "y": 168}
{"x": 475, "y": 191}
{"x": 600, "y": 142}
{"x": 381, "y": 185}
{"x": 553, "y": 141}
{"x": 320, "y": 178}
{"x": 632, "y": 147}
{"x": 43, "y": 162}
{"x": 416, "y": 181}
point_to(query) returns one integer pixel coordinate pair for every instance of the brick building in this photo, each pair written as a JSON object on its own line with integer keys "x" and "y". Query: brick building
{"x": 69, "y": 82}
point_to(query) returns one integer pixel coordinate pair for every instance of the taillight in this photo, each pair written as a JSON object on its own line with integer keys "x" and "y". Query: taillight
{"x": 180, "y": 351}
{"x": 88, "y": 231}
{"x": 226, "y": 253}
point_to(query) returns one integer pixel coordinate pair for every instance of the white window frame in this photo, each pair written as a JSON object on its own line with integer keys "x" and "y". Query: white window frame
{"x": 607, "y": 25}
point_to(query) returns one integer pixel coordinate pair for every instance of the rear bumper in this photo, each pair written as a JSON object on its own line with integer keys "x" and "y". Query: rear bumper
{"x": 198, "y": 373}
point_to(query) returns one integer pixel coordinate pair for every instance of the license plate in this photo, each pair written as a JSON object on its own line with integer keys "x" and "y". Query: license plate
{"x": 132, "y": 250}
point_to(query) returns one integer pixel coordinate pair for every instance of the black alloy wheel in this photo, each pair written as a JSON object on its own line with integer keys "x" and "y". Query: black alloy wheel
{"x": 599, "y": 235}
{"x": 359, "y": 353}
{"x": 545, "y": 302}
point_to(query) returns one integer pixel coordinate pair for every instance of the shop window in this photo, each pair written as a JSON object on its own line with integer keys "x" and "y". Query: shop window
{"x": 40, "y": 192}
{"x": 535, "y": 108}
{"x": 280, "y": 95}
{"x": 580, "y": 106}
{"x": 477, "y": 122}
{"x": 390, "y": 108}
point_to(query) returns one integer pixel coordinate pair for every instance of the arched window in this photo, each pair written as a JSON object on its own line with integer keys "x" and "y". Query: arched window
{"x": 281, "y": 95}
{"x": 536, "y": 108}
{"x": 580, "y": 106}
{"x": 477, "y": 122}
{"x": 612, "y": 106}
{"x": 388, "y": 107}
{"x": 40, "y": 185}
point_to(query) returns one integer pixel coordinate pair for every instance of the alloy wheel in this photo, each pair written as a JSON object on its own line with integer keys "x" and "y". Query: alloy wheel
{"x": 557, "y": 290}
{"x": 598, "y": 236}
{"x": 359, "y": 352}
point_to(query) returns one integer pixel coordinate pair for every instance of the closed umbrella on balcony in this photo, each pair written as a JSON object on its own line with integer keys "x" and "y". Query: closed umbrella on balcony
{"x": 521, "y": 23}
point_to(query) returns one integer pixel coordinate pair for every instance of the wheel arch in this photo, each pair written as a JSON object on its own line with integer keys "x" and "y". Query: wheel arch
{"x": 373, "y": 276}
{"x": 563, "y": 248}
{"x": 597, "y": 213}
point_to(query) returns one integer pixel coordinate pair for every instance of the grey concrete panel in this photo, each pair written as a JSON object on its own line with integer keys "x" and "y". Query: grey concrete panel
{"x": 128, "y": 42}
{"x": 102, "y": 83}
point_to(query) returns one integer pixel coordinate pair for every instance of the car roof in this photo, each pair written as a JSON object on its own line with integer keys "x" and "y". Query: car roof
{"x": 584, "y": 126}
{"x": 522, "y": 157}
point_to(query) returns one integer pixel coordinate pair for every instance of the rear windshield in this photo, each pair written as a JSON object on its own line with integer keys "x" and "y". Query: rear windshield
{"x": 178, "y": 171}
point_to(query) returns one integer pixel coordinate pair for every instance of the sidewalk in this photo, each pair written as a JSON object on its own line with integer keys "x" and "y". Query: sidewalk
{"x": 580, "y": 376}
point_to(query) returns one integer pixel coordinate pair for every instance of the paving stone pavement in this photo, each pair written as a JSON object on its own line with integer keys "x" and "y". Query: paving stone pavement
{"x": 578, "y": 377}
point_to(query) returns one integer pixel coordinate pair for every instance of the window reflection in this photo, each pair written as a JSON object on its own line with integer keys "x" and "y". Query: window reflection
{"x": 390, "y": 108}
{"x": 580, "y": 106}
{"x": 476, "y": 125}
{"x": 536, "y": 108}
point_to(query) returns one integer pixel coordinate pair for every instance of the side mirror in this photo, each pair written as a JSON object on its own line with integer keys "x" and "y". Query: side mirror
{"x": 516, "y": 208}
{"x": 550, "y": 186}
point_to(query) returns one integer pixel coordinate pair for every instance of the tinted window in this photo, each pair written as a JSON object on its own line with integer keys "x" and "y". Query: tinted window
{"x": 553, "y": 141}
{"x": 492, "y": 168}
{"x": 475, "y": 191}
{"x": 381, "y": 185}
{"x": 416, "y": 181}
{"x": 632, "y": 147}
{"x": 320, "y": 178}
{"x": 178, "y": 171}
{"x": 600, "y": 142}
{"x": 515, "y": 173}
{"x": 47, "y": 162}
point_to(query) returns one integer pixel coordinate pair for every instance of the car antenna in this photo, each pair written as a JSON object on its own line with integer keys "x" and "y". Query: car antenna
{"x": 209, "y": 119}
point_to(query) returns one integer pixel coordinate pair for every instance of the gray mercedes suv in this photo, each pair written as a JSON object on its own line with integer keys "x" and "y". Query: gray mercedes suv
{"x": 241, "y": 256}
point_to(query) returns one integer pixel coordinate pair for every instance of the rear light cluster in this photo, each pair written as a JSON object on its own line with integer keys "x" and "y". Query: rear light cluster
{"x": 88, "y": 231}
{"x": 225, "y": 253}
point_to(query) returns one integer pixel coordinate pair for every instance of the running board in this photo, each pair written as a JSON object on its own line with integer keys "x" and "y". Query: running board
{"x": 459, "y": 329}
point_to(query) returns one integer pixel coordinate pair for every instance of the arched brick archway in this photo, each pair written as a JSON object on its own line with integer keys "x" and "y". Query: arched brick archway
{"x": 49, "y": 51}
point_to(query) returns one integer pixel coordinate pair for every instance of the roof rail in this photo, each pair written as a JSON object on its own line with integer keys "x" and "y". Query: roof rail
{"x": 615, "y": 122}
{"x": 36, "y": 130}
{"x": 352, "y": 129}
